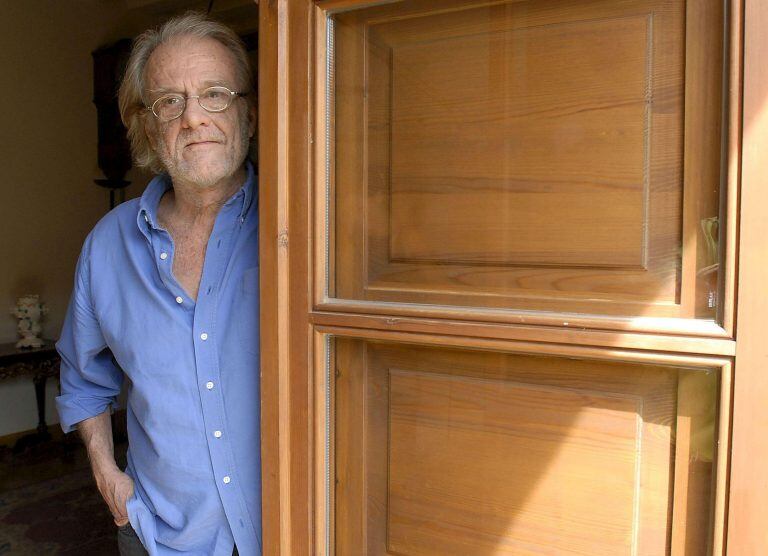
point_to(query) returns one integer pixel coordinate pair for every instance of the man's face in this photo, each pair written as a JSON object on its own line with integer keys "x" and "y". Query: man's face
{"x": 198, "y": 148}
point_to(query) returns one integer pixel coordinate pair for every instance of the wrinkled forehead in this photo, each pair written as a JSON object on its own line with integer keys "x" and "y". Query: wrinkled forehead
{"x": 187, "y": 62}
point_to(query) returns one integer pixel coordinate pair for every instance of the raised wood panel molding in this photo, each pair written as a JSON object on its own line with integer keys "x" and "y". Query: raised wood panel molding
{"x": 569, "y": 334}
{"x": 449, "y": 451}
{"x": 539, "y": 166}
{"x": 475, "y": 448}
{"x": 481, "y": 170}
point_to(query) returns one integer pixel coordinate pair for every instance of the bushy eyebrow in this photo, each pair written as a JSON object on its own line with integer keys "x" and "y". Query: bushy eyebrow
{"x": 205, "y": 85}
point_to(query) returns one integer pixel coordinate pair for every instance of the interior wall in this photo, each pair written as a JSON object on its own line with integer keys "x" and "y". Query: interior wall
{"x": 48, "y": 200}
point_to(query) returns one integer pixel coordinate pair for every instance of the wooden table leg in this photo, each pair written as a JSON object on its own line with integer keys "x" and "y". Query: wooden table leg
{"x": 42, "y": 428}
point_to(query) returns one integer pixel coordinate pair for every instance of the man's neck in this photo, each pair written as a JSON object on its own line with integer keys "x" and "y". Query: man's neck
{"x": 188, "y": 213}
{"x": 190, "y": 202}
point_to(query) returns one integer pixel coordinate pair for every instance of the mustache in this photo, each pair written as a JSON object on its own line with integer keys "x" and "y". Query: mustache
{"x": 188, "y": 139}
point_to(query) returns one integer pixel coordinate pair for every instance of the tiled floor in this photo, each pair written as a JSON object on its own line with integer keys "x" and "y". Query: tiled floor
{"x": 40, "y": 463}
{"x": 53, "y": 503}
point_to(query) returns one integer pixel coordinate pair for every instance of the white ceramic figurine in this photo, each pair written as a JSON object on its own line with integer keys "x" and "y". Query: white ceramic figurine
{"x": 29, "y": 311}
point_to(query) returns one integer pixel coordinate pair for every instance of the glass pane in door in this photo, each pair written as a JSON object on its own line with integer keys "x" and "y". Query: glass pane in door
{"x": 529, "y": 155}
{"x": 450, "y": 451}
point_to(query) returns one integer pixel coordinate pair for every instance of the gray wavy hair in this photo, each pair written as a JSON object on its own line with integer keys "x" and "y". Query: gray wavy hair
{"x": 131, "y": 96}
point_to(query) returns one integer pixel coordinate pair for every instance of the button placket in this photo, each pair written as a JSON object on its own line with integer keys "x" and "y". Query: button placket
{"x": 220, "y": 450}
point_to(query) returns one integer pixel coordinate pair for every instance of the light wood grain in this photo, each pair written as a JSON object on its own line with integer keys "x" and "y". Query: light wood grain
{"x": 695, "y": 442}
{"x": 702, "y": 53}
{"x": 292, "y": 143}
{"x": 456, "y": 423}
{"x": 663, "y": 326}
{"x": 481, "y": 168}
{"x": 465, "y": 454}
{"x": 703, "y": 163}
{"x": 294, "y": 240}
{"x": 514, "y": 346}
{"x": 426, "y": 216}
{"x": 350, "y": 514}
{"x": 332, "y": 6}
{"x": 324, "y": 409}
{"x": 733, "y": 148}
{"x": 722, "y": 460}
{"x": 286, "y": 420}
{"x": 562, "y": 334}
{"x": 272, "y": 506}
{"x": 324, "y": 235}
{"x": 748, "y": 507}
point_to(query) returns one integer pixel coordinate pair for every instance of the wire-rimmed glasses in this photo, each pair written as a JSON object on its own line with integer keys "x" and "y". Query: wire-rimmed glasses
{"x": 213, "y": 99}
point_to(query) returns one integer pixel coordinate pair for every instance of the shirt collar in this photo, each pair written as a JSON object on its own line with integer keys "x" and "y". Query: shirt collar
{"x": 246, "y": 194}
{"x": 150, "y": 199}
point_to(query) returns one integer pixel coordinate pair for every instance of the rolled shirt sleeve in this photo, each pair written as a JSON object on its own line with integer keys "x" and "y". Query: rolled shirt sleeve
{"x": 90, "y": 380}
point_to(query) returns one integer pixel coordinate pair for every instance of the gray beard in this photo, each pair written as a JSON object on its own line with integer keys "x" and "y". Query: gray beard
{"x": 186, "y": 173}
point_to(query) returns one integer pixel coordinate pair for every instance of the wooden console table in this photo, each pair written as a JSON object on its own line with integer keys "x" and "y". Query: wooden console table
{"x": 39, "y": 363}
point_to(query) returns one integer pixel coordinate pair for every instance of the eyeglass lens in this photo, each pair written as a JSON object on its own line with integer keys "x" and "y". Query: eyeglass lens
{"x": 171, "y": 106}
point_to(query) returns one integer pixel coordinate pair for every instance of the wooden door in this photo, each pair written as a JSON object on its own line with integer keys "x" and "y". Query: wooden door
{"x": 502, "y": 275}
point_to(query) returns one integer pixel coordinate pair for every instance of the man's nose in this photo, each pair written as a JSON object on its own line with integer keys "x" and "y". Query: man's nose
{"x": 194, "y": 114}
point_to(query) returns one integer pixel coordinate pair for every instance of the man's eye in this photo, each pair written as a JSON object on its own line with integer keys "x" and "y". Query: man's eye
{"x": 169, "y": 101}
{"x": 214, "y": 95}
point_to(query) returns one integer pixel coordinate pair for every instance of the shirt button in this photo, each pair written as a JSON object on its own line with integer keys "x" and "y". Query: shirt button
{"x": 209, "y": 385}
{"x": 179, "y": 300}
{"x": 163, "y": 255}
{"x": 217, "y": 434}
{"x": 203, "y": 336}
{"x": 226, "y": 480}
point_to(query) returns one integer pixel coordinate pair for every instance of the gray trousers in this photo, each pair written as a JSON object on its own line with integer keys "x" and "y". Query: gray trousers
{"x": 128, "y": 542}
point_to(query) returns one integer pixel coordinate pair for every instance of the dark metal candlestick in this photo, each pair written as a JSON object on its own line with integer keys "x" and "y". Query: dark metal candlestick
{"x": 114, "y": 152}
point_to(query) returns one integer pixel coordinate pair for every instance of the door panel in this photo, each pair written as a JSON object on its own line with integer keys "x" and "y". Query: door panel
{"x": 450, "y": 451}
{"x": 417, "y": 338}
{"x": 536, "y": 156}
{"x": 525, "y": 155}
{"x": 502, "y": 151}
{"x": 499, "y": 248}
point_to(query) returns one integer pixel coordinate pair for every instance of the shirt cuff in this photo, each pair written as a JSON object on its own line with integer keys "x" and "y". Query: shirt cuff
{"x": 73, "y": 409}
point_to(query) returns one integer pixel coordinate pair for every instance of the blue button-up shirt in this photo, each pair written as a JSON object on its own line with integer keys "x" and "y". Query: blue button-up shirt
{"x": 192, "y": 370}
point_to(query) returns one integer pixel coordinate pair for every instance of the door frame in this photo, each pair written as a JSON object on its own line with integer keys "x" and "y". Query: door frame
{"x": 748, "y": 503}
{"x": 290, "y": 325}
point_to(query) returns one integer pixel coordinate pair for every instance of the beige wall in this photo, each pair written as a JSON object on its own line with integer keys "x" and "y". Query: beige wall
{"x": 48, "y": 201}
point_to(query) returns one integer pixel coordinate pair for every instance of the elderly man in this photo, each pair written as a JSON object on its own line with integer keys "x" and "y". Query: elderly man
{"x": 166, "y": 296}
